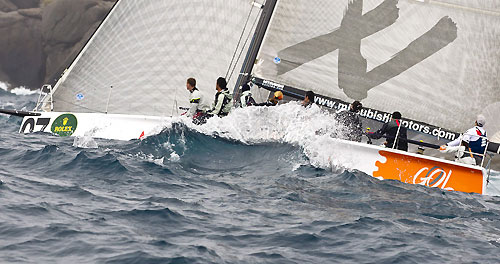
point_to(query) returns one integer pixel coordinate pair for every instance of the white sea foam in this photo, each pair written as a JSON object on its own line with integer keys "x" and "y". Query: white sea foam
{"x": 309, "y": 128}
{"x": 22, "y": 91}
{"x": 7, "y": 104}
{"x": 4, "y": 86}
{"x": 18, "y": 90}
{"x": 287, "y": 123}
{"x": 85, "y": 142}
{"x": 159, "y": 161}
{"x": 174, "y": 157}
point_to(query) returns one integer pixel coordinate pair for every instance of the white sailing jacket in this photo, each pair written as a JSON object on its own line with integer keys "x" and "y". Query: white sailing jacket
{"x": 469, "y": 136}
{"x": 197, "y": 102}
{"x": 222, "y": 104}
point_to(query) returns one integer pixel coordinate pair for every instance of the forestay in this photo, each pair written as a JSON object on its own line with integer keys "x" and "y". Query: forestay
{"x": 435, "y": 61}
{"x": 139, "y": 59}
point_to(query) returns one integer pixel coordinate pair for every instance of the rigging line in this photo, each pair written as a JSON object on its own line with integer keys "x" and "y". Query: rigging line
{"x": 239, "y": 41}
{"x": 244, "y": 44}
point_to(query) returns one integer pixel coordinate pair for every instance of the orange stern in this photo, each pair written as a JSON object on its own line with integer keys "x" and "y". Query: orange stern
{"x": 429, "y": 172}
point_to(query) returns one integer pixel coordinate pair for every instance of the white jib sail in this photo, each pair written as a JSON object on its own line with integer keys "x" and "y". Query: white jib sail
{"x": 139, "y": 59}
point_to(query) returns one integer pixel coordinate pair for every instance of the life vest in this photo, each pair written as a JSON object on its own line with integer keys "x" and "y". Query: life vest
{"x": 478, "y": 146}
{"x": 227, "y": 99}
{"x": 226, "y": 102}
{"x": 245, "y": 98}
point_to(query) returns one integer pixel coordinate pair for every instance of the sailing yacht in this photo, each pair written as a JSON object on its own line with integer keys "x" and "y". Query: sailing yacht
{"x": 130, "y": 77}
{"x": 434, "y": 61}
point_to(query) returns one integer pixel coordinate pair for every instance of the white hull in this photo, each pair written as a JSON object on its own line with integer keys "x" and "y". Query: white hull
{"x": 379, "y": 162}
{"x": 109, "y": 126}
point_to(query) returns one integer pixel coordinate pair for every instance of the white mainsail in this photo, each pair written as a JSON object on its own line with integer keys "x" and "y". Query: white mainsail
{"x": 139, "y": 59}
{"x": 434, "y": 61}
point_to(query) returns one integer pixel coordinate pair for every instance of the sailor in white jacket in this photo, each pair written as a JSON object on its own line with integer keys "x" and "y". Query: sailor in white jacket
{"x": 197, "y": 104}
{"x": 223, "y": 99}
{"x": 470, "y": 144}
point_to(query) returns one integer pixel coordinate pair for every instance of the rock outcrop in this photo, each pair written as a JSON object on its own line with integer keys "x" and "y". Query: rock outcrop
{"x": 41, "y": 37}
{"x": 21, "y": 52}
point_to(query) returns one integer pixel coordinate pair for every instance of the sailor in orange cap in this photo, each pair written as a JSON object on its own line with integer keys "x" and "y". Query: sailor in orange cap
{"x": 278, "y": 96}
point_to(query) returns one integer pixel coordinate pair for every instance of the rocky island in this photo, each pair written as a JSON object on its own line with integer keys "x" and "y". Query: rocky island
{"x": 40, "y": 38}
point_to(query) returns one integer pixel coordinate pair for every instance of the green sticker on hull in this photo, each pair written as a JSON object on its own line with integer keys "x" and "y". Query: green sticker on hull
{"x": 64, "y": 125}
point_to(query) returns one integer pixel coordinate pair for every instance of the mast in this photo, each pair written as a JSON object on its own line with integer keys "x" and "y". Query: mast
{"x": 254, "y": 48}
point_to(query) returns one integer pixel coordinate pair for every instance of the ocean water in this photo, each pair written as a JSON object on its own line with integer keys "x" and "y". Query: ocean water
{"x": 250, "y": 188}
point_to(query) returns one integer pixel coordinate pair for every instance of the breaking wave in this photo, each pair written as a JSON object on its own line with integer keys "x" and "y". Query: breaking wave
{"x": 311, "y": 129}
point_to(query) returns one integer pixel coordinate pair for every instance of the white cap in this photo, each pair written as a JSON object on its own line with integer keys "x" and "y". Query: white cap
{"x": 481, "y": 120}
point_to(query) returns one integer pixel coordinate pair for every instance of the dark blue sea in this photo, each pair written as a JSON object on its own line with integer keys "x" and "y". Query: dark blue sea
{"x": 183, "y": 196}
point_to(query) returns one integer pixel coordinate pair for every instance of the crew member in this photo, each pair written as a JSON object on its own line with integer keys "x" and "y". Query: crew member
{"x": 394, "y": 132}
{"x": 197, "y": 105}
{"x": 474, "y": 140}
{"x": 350, "y": 119}
{"x": 278, "y": 96}
{"x": 223, "y": 99}
{"x": 246, "y": 98}
{"x": 308, "y": 99}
